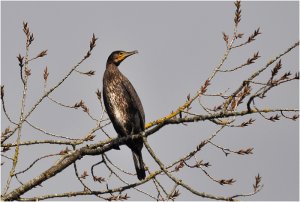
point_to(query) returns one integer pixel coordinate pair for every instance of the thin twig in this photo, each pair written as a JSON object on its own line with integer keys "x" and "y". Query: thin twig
{"x": 34, "y": 162}
{"x": 51, "y": 90}
{"x": 21, "y": 119}
{"x": 51, "y": 134}
{"x": 178, "y": 181}
{"x": 122, "y": 180}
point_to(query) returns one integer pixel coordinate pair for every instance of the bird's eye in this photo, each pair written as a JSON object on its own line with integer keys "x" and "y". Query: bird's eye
{"x": 120, "y": 53}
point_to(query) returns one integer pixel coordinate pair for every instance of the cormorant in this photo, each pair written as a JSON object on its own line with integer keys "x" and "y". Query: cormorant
{"x": 124, "y": 107}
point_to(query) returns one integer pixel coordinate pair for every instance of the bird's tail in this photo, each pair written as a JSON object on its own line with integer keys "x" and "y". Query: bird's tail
{"x": 139, "y": 164}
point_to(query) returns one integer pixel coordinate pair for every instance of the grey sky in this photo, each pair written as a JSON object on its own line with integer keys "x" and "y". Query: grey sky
{"x": 179, "y": 44}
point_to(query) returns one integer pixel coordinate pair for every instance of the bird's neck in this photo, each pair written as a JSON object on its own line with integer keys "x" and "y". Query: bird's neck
{"x": 112, "y": 66}
{"x": 112, "y": 70}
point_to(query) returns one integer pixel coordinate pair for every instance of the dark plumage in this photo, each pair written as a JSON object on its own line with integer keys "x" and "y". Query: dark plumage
{"x": 124, "y": 107}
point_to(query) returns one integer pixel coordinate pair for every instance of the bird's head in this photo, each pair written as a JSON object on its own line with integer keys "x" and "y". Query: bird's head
{"x": 117, "y": 57}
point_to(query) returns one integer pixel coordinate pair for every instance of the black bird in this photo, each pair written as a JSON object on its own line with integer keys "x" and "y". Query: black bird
{"x": 124, "y": 107}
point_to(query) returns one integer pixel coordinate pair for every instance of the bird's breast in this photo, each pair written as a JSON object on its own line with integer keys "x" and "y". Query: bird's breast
{"x": 117, "y": 100}
{"x": 118, "y": 105}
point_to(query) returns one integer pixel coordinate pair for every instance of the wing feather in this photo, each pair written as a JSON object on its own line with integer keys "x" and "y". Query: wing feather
{"x": 135, "y": 101}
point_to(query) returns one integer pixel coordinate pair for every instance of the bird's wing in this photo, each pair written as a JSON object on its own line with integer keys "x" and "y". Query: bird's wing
{"x": 135, "y": 100}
